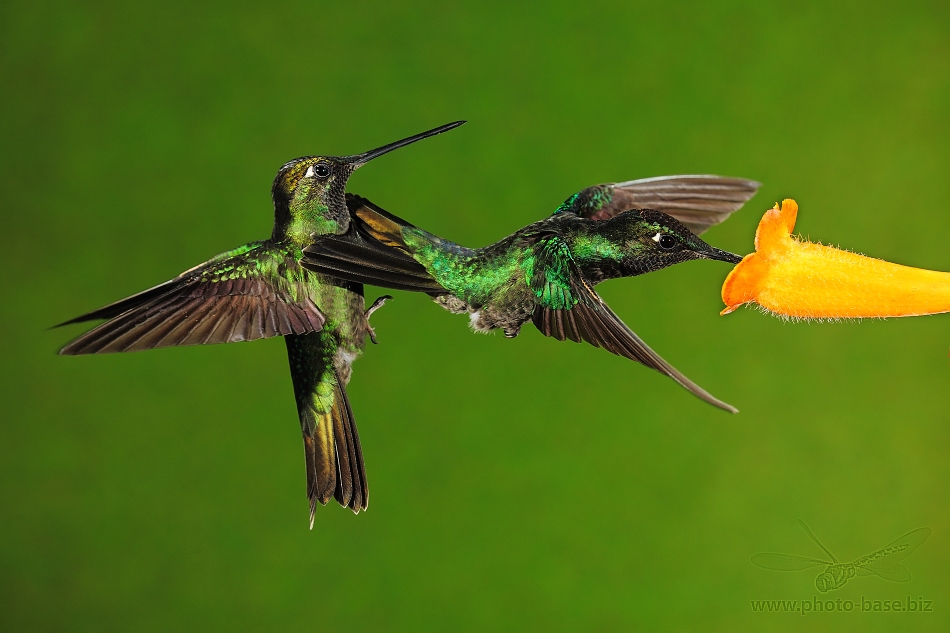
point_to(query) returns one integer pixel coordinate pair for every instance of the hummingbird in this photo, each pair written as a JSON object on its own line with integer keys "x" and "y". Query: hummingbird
{"x": 260, "y": 290}
{"x": 546, "y": 271}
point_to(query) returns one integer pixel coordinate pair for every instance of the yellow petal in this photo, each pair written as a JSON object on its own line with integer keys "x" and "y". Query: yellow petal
{"x": 800, "y": 279}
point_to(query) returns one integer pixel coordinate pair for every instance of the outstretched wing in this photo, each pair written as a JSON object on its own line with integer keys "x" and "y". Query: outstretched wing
{"x": 785, "y": 562}
{"x": 568, "y": 308}
{"x": 697, "y": 201}
{"x": 253, "y": 292}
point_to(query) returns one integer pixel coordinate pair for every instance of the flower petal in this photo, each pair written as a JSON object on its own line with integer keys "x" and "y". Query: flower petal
{"x": 800, "y": 279}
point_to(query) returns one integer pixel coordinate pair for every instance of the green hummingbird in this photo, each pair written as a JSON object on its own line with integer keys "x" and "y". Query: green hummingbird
{"x": 260, "y": 290}
{"x": 546, "y": 272}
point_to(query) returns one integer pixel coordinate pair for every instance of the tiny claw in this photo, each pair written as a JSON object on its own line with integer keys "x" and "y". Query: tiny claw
{"x": 379, "y": 303}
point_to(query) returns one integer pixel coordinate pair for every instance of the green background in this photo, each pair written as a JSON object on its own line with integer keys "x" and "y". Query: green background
{"x": 524, "y": 484}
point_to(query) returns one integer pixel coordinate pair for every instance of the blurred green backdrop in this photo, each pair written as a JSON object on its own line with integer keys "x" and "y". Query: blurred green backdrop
{"x": 518, "y": 484}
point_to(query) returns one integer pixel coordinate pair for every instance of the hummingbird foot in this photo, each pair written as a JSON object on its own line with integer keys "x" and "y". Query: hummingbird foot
{"x": 379, "y": 303}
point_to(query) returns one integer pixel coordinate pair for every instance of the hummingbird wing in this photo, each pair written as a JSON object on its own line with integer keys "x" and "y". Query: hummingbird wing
{"x": 786, "y": 562}
{"x": 699, "y": 201}
{"x": 355, "y": 257}
{"x": 240, "y": 295}
{"x": 569, "y": 308}
{"x": 331, "y": 444}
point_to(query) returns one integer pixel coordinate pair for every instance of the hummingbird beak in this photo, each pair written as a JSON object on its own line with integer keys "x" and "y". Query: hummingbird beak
{"x": 358, "y": 160}
{"x": 723, "y": 256}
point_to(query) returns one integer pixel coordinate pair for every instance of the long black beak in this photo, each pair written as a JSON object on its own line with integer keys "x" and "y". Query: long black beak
{"x": 723, "y": 256}
{"x": 358, "y": 160}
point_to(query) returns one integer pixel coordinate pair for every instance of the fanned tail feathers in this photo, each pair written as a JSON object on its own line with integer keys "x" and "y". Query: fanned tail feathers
{"x": 334, "y": 459}
{"x": 333, "y": 456}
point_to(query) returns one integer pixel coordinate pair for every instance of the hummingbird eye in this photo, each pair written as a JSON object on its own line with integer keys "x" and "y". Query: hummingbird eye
{"x": 666, "y": 241}
{"x": 320, "y": 170}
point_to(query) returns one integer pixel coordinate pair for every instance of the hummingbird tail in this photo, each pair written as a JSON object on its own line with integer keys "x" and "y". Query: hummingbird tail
{"x": 332, "y": 449}
{"x": 334, "y": 458}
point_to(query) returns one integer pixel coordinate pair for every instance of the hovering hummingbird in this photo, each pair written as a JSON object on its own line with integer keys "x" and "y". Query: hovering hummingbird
{"x": 546, "y": 272}
{"x": 260, "y": 290}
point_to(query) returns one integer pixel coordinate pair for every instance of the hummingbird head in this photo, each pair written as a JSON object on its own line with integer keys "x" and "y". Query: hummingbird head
{"x": 650, "y": 240}
{"x": 309, "y": 192}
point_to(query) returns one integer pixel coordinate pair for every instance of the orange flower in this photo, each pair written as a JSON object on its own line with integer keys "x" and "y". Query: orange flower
{"x": 804, "y": 280}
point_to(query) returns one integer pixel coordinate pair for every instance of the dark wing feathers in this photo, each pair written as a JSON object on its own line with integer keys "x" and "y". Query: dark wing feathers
{"x": 355, "y": 257}
{"x": 699, "y": 201}
{"x": 600, "y": 327}
{"x": 120, "y": 306}
{"x": 225, "y": 300}
{"x": 589, "y": 319}
{"x": 359, "y": 259}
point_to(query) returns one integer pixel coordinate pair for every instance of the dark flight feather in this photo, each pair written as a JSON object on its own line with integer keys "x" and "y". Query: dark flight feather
{"x": 559, "y": 282}
{"x": 122, "y": 305}
{"x": 355, "y": 257}
{"x": 698, "y": 201}
{"x": 227, "y": 299}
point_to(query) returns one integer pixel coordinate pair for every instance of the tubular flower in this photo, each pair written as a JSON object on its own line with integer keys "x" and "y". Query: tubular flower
{"x": 799, "y": 279}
